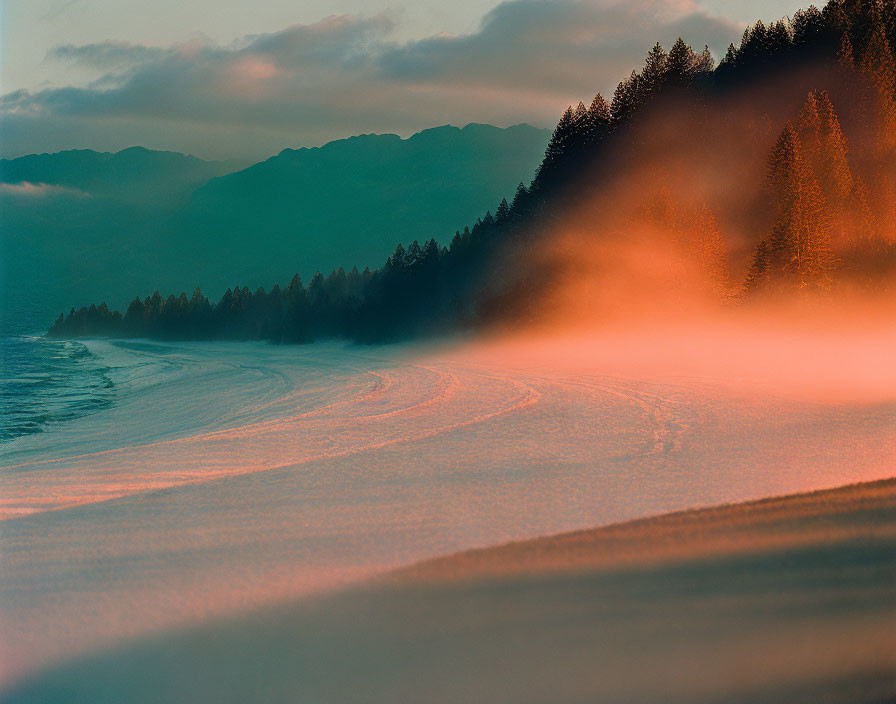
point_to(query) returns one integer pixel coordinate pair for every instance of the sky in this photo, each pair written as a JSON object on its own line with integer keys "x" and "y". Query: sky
{"x": 226, "y": 79}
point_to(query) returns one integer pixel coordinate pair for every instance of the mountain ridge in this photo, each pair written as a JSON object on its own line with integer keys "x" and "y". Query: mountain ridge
{"x": 154, "y": 223}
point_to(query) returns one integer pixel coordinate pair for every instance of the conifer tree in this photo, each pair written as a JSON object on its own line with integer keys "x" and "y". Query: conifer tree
{"x": 519, "y": 201}
{"x": 845, "y": 55}
{"x": 653, "y": 74}
{"x": 295, "y": 286}
{"x": 801, "y": 248}
{"x": 703, "y": 62}
{"x": 729, "y": 61}
{"x": 503, "y": 211}
{"x": 414, "y": 255}
{"x": 777, "y": 39}
{"x": 432, "y": 252}
{"x": 317, "y": 290}
{"x": 825, "y": 147}
{"x": 833, "y": 170}
{"x": 599, "y": 120}
{"x": 836, "y": 17}
{"x": 757, "y": 276}
{"x": 752, "y": 45}
{"x": 398, "y": 260}
{"x": 681, "y": 63}
{"x": 807, "y": 27}
{"x": 879, "y": 65}
{"x": 809, "y": 126}
{"x": 561, "y": 140}
{"x": 579, "y": 116}
{"x": 625, "y": 99}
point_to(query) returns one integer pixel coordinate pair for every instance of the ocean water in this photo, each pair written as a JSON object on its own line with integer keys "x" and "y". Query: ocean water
{"x": 44, "y": 382}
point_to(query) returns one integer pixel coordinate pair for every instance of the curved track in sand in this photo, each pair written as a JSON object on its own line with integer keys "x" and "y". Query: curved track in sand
{"x": 363, "y": 412}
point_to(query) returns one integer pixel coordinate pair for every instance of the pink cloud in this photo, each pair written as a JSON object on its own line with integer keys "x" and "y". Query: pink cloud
{"x": 39, "y": 190}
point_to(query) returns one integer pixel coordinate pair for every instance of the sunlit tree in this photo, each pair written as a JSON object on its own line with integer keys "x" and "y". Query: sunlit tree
{"x": 800, "y": 245}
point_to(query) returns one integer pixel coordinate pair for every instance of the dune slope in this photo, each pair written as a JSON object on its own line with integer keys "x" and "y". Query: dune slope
{"x": 790, "y": 599}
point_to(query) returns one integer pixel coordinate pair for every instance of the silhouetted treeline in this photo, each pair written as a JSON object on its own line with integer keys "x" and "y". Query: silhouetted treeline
{"x": 830, "y": 215}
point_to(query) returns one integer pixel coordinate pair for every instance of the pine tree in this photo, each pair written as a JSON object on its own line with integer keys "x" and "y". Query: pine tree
{"x": 752, "y": 45}
{"x": 807, "y": 26}
{"x": 58, "y": 328}
{"x": 579, "y": 117}
{"x": 729, "y": 61}
{"x": 599, "y": 120}
{"x": 520, "y": 200}
{"x": 777, "y": 39}
{"x": 579, "y": 130}
{"x": 825, "y": 147}
{"x": 625, "y": 100}
{"x": 414, "y": 255}
{"x": 681, "y": 63}
{"x": 801, "y": 248}
{"x": 317, "y": 291}
{"x": 398, "y": 260}
{"x": 879, "y": 65}
{"x": 561, "y": 141}
{"x": 295, "y": 286}
{"x": 809, "y": 127}
{"x": 833, "y": 170}
{"x": 703, "y": 62}
{"x": 503, "y": 211}
{"x": 757, "y": 276}
{"x": 432, "y": 252}
{"x": 845, "y": 55}
{"x": 654, "y": 73}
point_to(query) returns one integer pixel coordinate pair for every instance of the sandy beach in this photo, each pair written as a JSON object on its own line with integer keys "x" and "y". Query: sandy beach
{"x": 228, "y": 478}
{"x": 788, "y": 599}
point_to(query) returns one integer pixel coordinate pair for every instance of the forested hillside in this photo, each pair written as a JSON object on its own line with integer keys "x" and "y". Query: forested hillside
{"x": 79, "y": 225}
{"x": 349, "y": 202}
{"x": 771, "y": 175}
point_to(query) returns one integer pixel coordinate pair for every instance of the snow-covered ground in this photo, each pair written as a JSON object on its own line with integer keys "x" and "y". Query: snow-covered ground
{"x": 230, "y": 476}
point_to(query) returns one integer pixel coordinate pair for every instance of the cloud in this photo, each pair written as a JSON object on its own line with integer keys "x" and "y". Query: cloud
{"x": 106, "y": 55}
{"x": 559, "y": 48}
{"x": 26, "y": 189}
{"x": 345, "y": 75}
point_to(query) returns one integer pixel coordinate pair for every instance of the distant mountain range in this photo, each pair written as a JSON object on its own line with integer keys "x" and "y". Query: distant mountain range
{"x": 80, "y": 225}
{"x": 136, "y": 175}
